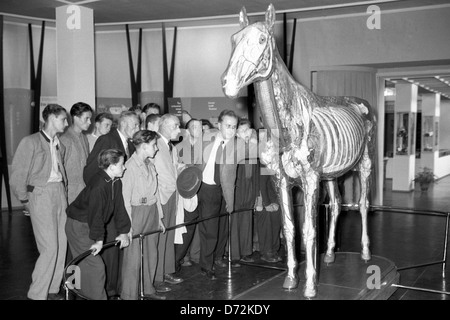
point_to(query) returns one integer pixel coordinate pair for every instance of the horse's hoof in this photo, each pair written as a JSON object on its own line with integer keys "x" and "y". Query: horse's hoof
{"x": 365, "y": 255}
{"x": 329, "y": 258}
{"x": 310, "y": 291}
{"x": 290, "y": 282}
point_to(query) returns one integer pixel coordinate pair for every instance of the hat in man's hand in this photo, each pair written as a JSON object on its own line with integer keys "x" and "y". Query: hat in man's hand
{"x": 189, "y": 181}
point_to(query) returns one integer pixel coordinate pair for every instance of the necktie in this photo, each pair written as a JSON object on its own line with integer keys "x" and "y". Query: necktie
{"x": 192, "y": 154}
{"x": 170, "y": 146}
{"x": 217, "y": 164}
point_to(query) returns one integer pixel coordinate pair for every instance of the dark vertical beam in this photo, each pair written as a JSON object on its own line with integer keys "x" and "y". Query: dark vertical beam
{"x": 134, "y": 95}
{"x": 3, "y": 155}
{"x": 284, "y": 38}
{"x": 38, "y": 82}
{"x": 36, "y": 78}
{"x": 172, "y": 64}
{"x": 165, "y": 71}
{"x": 139, "y": 64}
{"x": 250, "y": 109}
{"x": 291, "y": 56}
{"x": 32, "y": 72}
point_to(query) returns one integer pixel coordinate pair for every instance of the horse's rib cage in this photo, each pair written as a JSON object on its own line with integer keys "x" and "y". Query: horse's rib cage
{"x": 342, "y": 137}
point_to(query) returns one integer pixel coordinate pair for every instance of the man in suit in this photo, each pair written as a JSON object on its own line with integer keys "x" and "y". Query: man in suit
{"x": 221, "y": 156}
{"x": 190, "y": 153}
{"x": 115, "y": 139}
{"x": 38, "y": 179}
{"x": 167, "y": 167}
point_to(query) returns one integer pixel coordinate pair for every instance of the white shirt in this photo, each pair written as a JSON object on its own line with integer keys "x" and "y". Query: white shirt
{"x": 91, "y": 139}
{"x": 208, "y": 172}
{"x": 55, "y": 174}
{"x": 125, "y": 143}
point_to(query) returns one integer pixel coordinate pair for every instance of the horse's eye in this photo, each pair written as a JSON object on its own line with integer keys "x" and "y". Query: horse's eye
{"x": 262, "y": 39}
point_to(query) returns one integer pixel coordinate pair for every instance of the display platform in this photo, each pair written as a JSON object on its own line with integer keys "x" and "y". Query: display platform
{"x": 348, "y": 278}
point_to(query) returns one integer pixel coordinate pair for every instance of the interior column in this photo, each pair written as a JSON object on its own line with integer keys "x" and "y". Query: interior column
{"x": 405, "y": 108}
{"x": 75, "y": 54}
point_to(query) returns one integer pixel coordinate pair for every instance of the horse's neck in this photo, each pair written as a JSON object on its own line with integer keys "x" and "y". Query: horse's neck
{"x": 284, "y": 103}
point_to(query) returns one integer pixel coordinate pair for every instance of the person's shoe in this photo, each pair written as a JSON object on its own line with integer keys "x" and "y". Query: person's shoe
{"x": 154, "y": 296}
{"x": 115, "y": 297}
{"x": 186, "y": 263}
{"x": 247, "y": 259}
{"x": 268, "y": 258}
{"x": 172, "y": 279}
{"x": 162, "y": 288}
{"x": 235, "y": 264}
{"x": 208, "y": 273}
{"x": 55, "y": 296}
{"x": 220, "y": 263}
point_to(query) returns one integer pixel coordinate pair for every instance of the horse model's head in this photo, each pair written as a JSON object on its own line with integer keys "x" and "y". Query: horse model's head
{"x": 252, "y": 55}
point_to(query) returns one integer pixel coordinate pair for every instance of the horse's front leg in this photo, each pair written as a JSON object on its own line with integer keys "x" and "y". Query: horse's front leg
{"x": 335, "y": 204}
{"x": 310, "y": 183}
{"x": 285, "y": 197}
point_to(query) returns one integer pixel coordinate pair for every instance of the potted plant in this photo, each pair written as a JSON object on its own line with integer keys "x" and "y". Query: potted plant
{"x": 424, "y": 178}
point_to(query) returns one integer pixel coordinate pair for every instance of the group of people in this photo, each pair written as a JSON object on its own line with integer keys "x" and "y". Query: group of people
{"x": 84, "y": 190}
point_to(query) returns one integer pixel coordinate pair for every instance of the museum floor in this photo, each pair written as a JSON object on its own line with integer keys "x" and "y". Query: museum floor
{"x": 405, "y": 239}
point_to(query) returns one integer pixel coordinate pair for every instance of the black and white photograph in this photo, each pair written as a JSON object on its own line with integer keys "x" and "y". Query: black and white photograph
{"x": 225, "y": 159}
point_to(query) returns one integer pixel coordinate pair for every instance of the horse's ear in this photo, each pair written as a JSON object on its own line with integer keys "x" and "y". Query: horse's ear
{"x": 270, "y": 16}
{"x": 243, "y": 19}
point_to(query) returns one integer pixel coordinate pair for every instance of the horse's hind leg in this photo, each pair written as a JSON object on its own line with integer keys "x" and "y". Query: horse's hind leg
{"x": 365, "y": 167}
{"x": 335, "y": 205}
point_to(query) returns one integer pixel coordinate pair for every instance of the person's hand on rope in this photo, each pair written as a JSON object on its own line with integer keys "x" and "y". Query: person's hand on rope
{"x": 272, "y": 207}
{"x": 96, "y": 248}
{"x": 162, "y": 226}
{"x": 124, "y": 240}
{"x": 130, "y": 235}
{"x": 258, "y": 204}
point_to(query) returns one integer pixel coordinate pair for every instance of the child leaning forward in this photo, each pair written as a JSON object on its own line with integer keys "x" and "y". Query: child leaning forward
{"x": 100, "y": 201}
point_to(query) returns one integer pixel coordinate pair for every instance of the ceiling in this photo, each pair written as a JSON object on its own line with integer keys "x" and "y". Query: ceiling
{"x": 426, "y": 83}
{"x": 119, "y": 11}
{"x": 200, "y": 12}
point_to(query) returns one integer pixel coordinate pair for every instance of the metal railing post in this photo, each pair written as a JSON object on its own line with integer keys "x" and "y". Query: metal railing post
{"x": 229, "y": 244}
{"x": 444, "y": 257}
{"x": 66, "y": 290}
{"x": 141, "y": 268}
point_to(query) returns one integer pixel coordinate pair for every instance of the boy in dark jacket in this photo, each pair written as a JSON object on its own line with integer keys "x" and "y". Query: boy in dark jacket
{"x": 99, "y": 202}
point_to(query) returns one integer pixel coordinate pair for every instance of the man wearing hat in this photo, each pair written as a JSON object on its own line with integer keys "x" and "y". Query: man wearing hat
{"x": 188, "y": 184}
{"x": 168, "y": 168}
{"x": 190, "y": 153}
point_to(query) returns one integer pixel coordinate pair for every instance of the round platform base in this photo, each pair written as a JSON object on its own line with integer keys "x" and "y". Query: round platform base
{"x": 348, "y": 278}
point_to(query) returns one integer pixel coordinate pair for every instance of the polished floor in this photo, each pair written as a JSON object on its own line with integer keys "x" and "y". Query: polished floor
{"x": 405, "y": 239}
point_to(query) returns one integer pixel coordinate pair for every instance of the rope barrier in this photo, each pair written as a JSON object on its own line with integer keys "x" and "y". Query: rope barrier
{"x": 374, "y": 208}
{"x": 76, "y": 260}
